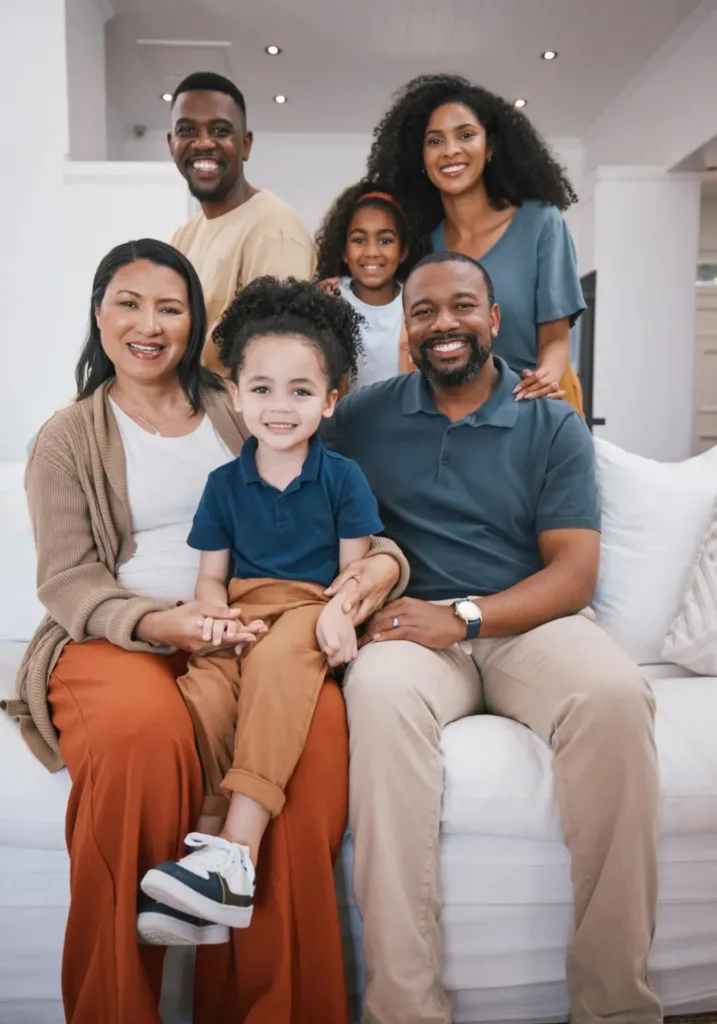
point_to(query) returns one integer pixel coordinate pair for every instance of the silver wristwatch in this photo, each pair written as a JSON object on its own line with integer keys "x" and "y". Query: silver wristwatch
{"x": 468, "y": 609}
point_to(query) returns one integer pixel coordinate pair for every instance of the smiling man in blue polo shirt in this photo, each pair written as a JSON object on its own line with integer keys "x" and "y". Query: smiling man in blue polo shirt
{"x": 494, "y": 502}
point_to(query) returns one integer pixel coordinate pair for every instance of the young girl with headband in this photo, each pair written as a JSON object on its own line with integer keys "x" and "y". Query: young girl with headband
{"x": 366, "y": 248}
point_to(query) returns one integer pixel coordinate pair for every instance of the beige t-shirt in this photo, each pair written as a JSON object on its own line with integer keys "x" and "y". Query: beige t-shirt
{"x": 262, "y": 236}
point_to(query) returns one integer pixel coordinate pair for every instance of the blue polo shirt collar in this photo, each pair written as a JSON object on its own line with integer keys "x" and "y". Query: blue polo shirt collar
{"x": 501, "y": 409}
{"x": 309, "y": 471}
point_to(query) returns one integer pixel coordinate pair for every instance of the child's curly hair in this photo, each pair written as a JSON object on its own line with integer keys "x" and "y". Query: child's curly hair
{"x": 291, "y": 307}
{"x": 332, "y": 235}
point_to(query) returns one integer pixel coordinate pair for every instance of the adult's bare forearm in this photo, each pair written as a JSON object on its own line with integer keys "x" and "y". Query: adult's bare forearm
{"x": 554, "y": 592}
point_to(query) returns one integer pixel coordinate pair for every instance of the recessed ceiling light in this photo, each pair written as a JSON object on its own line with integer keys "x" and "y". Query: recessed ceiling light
{"x": 167, "y": 97}
{"x": 549, "y": 55}
{"x": 280, "y": 99}
{"x": 519, "y": 104}
{"x": 273, "y": 51}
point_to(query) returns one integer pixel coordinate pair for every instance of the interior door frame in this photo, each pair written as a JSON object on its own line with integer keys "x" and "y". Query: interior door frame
{"x": 586, "y": 372}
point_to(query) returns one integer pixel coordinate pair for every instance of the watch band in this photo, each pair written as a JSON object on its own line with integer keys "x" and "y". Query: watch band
{"x": 473, "y": 629}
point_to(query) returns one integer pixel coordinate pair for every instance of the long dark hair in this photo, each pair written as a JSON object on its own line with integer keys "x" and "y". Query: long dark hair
{"x": 521, "y": 166}
{"x": 94, "y": 367}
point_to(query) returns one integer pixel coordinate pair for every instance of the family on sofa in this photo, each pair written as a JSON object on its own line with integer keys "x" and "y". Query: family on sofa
{"x": 474, "y": 596}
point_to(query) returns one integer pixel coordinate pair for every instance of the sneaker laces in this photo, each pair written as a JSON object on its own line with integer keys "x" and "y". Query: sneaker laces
{"x": 213, "y": 854}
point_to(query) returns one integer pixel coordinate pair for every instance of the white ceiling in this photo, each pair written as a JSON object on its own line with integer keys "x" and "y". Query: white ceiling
{"x": 342, "y": 59}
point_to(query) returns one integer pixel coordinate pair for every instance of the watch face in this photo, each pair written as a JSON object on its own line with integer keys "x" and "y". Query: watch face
{"x": 468, "y": 611}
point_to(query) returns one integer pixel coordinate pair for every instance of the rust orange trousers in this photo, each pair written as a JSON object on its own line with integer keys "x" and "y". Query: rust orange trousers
{"x": 127, "y": 740}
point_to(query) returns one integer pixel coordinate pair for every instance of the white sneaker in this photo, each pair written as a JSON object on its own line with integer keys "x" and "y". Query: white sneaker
{"x": 160, "y": 925}
{"x": 215, "y": 883}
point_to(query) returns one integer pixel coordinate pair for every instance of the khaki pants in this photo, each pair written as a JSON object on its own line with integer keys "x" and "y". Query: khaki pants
{"x": 251, "y": 716}
{"x": 570, "y": 684}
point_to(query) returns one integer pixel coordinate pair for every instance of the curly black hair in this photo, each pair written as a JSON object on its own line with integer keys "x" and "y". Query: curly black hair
{"x": 269, "y": 306}
{"x": 521, "y": 166}
{"x": 332, "y": 235}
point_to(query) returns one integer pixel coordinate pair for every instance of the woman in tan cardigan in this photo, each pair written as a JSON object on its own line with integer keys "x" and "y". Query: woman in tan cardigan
{"x": 112, "y": 484}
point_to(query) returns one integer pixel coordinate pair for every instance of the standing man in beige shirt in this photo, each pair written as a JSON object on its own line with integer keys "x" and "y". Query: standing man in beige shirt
{"x": 242, "y": 232}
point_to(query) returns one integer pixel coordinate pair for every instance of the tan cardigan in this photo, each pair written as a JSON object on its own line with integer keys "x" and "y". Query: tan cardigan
{"x": 77, "y": 494}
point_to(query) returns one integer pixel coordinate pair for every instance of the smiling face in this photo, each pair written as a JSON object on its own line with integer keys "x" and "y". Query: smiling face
{"x": 455, "y": 149}
{"x": 144, "y": 322}
{"x": 373, "y": 247}
{"x": 450, "y": 321}
{"x": 209, "y": 143}
{"x": 283, "y": 391}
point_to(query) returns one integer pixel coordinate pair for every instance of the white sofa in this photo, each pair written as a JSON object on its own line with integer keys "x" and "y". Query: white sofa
{"x": 507, "y": 891}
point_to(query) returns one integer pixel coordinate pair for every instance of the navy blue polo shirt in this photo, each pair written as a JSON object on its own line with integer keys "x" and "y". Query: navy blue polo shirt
{"x": 291, "y": 534}
{"x": 466, "y": 501}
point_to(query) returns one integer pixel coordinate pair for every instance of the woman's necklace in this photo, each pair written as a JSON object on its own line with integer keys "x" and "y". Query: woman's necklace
{"x": 155, "y": 428}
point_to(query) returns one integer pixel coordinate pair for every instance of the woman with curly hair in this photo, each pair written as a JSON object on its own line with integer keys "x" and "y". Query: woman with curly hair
{"x": 365, "y": 249}
{"x": 479, "y": 180}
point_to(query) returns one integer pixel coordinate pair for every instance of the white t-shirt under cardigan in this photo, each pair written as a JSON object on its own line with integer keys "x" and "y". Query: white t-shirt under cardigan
{"x": 166, "y": 477}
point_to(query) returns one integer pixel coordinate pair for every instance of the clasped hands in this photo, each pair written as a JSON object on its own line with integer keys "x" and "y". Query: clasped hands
{"x": 224, "y": 628}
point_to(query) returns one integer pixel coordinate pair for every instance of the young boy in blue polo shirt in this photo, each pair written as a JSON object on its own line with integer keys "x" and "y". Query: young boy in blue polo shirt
{"x": 280, "y": 521}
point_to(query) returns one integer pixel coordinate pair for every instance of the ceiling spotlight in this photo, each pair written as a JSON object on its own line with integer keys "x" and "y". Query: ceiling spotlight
{"x": 280, "y": 99}
{"x": 273, "y": 51}
{"x": 519, "y": 104}
{"x": 167, "y": 97}
{"x": 549, "y": 55}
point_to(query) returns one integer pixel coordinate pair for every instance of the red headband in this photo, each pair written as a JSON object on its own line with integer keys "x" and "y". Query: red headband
{"x": 386, "y": 196}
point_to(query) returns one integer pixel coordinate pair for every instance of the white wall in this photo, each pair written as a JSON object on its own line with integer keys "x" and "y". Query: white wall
{"x": 646, "y": 240}
{"x": 32, "y": 261}
{"x": 581, "y": 221}
{"x": 96, "y": 207}
{"x": 308, "y": 172}
{"x": 668, "y": 111}
{"x": 85, "y": 39}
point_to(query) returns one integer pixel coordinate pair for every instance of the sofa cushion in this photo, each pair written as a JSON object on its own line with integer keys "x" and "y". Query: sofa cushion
{"x": 498, "y": 773}
{"x": 692, "y": 640}
{"x": 655, "y": 516}
{"x": 20, "y": 610}
{"x": 32, "y": 801}
{"x": 499, "y": 780}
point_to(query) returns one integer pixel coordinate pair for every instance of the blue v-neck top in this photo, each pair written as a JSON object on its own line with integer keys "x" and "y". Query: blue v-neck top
{"x": 534, "y": 270}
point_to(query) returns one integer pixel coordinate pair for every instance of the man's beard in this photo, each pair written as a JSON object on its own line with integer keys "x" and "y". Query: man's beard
{"x": 479, "y": 356}
{"x": 214, "y": 194}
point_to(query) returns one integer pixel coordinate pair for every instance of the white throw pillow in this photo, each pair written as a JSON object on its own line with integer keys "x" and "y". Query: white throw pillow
{"x": 692, "y": 641}
{"x": 655, "y": 516}
{"x": 20, "y": 610}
